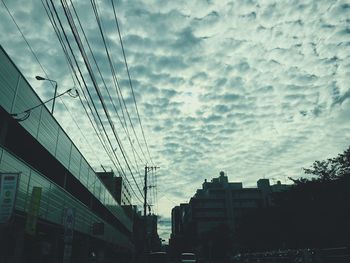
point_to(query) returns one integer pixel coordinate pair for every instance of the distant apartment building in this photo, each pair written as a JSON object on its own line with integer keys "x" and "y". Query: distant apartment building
{"x": 219, "y": 202}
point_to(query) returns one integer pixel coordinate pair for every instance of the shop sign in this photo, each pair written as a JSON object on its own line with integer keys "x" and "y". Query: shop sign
{"x": 69, "y": 220}
{"x": 8, "y": 190}
{"x": 33, "y": 211}
{"x": 67, "y": 253}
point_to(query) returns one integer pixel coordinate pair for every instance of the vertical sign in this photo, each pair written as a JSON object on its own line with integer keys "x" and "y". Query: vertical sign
{"x": 33, "y": 211}
{"x": 8, "y": 189}
{"x": 68, "y": 222}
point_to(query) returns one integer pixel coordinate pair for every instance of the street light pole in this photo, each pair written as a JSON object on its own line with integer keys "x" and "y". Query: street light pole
{"x": 54, "y": 97}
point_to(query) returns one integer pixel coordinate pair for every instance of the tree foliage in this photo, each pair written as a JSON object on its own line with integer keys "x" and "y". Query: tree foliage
{"x": 314, "y": 212}
{"x": 331, "y": 169}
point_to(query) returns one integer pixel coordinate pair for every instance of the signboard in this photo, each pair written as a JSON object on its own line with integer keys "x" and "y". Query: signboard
{"x": 8, "y": 189}
{"x": 67, "y": 253}
{"x": 33, "y": 211}
{"x": 68, "y": 222}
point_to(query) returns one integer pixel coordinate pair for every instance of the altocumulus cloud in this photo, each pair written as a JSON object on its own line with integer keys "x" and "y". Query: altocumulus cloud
{"x": 255, "y": 88}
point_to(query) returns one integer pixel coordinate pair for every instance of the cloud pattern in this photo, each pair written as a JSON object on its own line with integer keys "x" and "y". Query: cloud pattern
{"x": 252, "y": 87}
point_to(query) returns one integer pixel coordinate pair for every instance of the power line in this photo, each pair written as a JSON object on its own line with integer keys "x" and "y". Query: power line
{"x": 85, "y": 84}
{"x": 25, "y": 39}
{"x": 130, "y": 83}
{"x": 34, "y": 54}
{"x": 95, "y": 85}
{"x": 114, "y": 76}
{"x": 54, "y": 25}
{"x": 99, "y": 22}
{"x": 116, "y": 83}
{"x": 38, "y": 61}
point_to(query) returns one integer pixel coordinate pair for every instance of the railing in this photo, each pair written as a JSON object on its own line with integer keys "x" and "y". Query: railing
{"x": 327, "y": 255}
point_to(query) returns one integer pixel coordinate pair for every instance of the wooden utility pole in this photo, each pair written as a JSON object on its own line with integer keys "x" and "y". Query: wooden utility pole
{"x": 145, "y": 188}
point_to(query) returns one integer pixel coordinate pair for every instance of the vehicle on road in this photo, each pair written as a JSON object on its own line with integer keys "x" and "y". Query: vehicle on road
{"x": 157, "y": 257}
{"x": 188, "y": 258}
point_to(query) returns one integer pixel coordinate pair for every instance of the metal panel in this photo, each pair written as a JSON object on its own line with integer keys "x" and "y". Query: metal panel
{"x": 48, "y": 131}
{"x": 38, "y": 181}
{"x": 55, "y": 199}
{"x": 24, "y": 101}
{"x": 74, "y": 165}
{"x": 63, "y": 148}
{"x": 97, "y": 189}
{"x": 90, "y": 180}
{"x": 11, "y": 164}
{"x": 55, "y": 210}
{"x": 11, "y": 83}
{"x": 84, "y": 172}
{"x": 8, "y": 82}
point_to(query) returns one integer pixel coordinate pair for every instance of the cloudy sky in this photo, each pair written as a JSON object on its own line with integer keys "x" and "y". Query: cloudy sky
{"x": 256, "y": 88}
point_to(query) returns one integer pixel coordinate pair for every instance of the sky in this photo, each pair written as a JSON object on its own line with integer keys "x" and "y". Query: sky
{"x": 255, "y": 88}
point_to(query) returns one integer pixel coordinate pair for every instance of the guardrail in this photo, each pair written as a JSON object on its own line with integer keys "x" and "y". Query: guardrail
{"x": 327, "y": 255}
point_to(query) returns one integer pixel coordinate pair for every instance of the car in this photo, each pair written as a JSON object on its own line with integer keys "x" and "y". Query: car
{"x": 188, "y": 258}
{"x": 157, "y": 257}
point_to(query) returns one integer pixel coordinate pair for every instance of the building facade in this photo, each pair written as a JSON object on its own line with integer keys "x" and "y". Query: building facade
{"x": 33, "y": 145}
{"x": 116, "y": 187}
{"x": 218, "y": 203}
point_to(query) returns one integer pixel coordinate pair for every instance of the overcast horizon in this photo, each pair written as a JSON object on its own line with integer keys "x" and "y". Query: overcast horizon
{"x": 254, "y": 88}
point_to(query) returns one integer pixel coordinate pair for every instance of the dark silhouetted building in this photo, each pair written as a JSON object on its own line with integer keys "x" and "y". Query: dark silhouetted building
{"x": 218, "y": 202}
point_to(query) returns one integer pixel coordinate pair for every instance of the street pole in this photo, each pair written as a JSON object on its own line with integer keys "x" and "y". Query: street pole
{"x": 145, "y": 193}
{"x": 147, "y": 245}
{"x": 54, "y": 97}
{"x": 147, "y": 168}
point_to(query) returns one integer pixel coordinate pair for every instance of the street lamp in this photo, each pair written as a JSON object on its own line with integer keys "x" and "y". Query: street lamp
{"x": 54, "y": 97}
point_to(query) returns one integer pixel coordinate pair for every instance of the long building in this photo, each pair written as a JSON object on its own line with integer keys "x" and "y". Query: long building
{"x": 218, "y": 202}
{"x": 62, "y": 209}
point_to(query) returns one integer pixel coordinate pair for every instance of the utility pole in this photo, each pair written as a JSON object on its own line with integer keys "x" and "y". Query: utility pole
{"x": 145, "y": 188}
{"x": 147, "y": 237}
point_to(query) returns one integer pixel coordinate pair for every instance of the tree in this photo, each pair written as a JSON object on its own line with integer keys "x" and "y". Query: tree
{"x": 314, "y": 212}
{"x": 331, "y": 169}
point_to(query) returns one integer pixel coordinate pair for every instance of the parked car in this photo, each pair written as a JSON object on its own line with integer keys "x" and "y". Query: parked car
{"x": 188, "y": 258}
{"x": 157, "y": 257}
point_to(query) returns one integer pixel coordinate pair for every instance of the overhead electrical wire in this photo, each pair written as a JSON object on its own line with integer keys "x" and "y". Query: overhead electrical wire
{"x": 98, "y": 117}
{"x": 99, "y": 22}
{"x": 109, "y": 95}
{"x": 114, "y": 75}
{"x": 38, "y": 61}
{"x": 34, "y": 54}
{"x": 57, "y": 32}
{"x": 54, "y": 24}
{"x": 72, "y": 68}
{"x": 113, "y": 72}
{"x": 27, "y": 112}
{"x": 130, "y": 82}
{"x": 95, "y": 85}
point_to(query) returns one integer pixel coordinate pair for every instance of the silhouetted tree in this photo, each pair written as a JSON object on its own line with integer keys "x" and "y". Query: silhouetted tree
{"x": 314, "y": 212}
{"x": 331, "y": 169}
